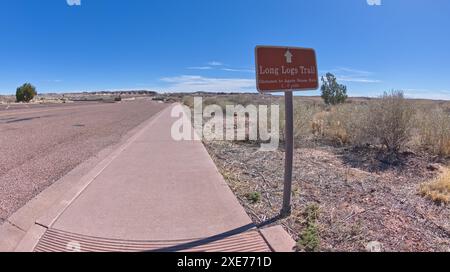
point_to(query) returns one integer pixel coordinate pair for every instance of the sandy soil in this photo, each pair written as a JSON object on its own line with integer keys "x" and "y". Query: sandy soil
{"x": 360, "y": 197}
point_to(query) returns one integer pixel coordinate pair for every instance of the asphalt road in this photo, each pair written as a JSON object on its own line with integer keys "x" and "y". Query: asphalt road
{"x": 41, "y": 143}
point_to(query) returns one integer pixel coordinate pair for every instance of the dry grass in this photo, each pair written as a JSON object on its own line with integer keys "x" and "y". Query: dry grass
{"x": 392, "y": 121}
{"x": 433, "y": 130}
{"x": 342, "y": 124}
{"x": 304, "y": 112}
{"x": 438, "y": 189}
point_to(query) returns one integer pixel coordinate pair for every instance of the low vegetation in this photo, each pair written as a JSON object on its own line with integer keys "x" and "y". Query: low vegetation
{"x": 433, "y": 130}
{"x": 309, "y": 239}
{"x": 438, "y": 190}
{"x": 390, "y": 122}
{"x": 254, "y": 197}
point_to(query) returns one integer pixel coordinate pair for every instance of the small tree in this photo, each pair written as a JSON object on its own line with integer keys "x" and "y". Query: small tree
{"x": 25, "y": 93}
{"x": 332, "y": 92}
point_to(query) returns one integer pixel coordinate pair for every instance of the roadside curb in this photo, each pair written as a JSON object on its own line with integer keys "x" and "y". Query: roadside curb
{"x": 278, "y": 239}
{"x": 19, "y": 230}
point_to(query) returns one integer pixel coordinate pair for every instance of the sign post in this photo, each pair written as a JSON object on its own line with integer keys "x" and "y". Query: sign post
{"x": 286, "y": 69}
{"x": 289, "y": 152}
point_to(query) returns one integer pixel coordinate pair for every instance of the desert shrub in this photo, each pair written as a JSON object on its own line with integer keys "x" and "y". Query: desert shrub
{"x": 433, "y": 130}
{"x": 348, "y": 122}
{"x": 438, "y": 190}
{"x": 342, "y": 123}
{"x": 245, "y": 100}
{"x": 303, "y": 117}
{"x": 25, "y": 93}
{"x": 332, "y": 92}
{"x": 242, "y": 99}
{"x": 309, "y": 238}
{"x": 389, "y": 121}
{"x": 188, "y": 101}
{"x": 223, "y": 102}
{"x": 254, "y": 197}
{"x": 159, "y": 98}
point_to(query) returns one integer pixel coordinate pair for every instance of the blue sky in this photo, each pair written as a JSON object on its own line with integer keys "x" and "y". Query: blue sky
{"x": 209, "y": 44}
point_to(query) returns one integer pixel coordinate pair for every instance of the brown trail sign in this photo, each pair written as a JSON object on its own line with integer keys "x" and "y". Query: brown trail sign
{"x": 286, "y": 69}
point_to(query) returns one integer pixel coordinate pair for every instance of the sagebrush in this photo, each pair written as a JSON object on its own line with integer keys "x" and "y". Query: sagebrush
{"x": 390, "y": 122}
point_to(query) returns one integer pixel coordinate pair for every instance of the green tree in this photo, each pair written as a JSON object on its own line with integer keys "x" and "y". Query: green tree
{"x": 25, "y": 93}
{"x": 332, "y": 92}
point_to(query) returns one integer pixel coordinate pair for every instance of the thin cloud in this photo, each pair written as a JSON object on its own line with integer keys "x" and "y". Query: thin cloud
{"x": 238, "y": 70}
{"x": 352, "y": 71}
{"x": 353, "y": 75}
{"x": 73, "y": 2}
{"x": 357, "y": 80}
{"x": 54, "y": 80}
{"x": 195, "y": 83}
{"x": 215, "y": 63}
{"x": 427, "y": 94}
{"x": 219, "y": 66}
{"x": 374, "y": 2}
{"x": 200, "y": 68}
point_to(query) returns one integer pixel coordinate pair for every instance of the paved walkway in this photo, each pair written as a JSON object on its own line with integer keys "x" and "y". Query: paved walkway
{"x": 153, "y": 193}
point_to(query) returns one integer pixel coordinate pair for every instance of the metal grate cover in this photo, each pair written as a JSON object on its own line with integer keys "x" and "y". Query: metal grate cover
{"x": 60, "y": 241}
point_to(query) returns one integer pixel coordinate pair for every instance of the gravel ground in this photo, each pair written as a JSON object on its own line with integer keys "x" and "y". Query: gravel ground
{"x": 360, "y": 199}
{"x": 39, "y": 145}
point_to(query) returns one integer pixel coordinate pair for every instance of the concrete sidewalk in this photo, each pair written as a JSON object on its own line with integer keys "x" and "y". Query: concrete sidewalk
{"x": 153, "y": 193}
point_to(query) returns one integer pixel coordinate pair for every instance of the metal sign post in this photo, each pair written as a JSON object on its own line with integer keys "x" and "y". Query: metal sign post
{"x": 286, "y": 69}
{"x": 289, "y": 152}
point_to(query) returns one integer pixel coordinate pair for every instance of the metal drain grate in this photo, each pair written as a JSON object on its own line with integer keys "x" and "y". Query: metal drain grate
{"x": 61, "y": 241}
